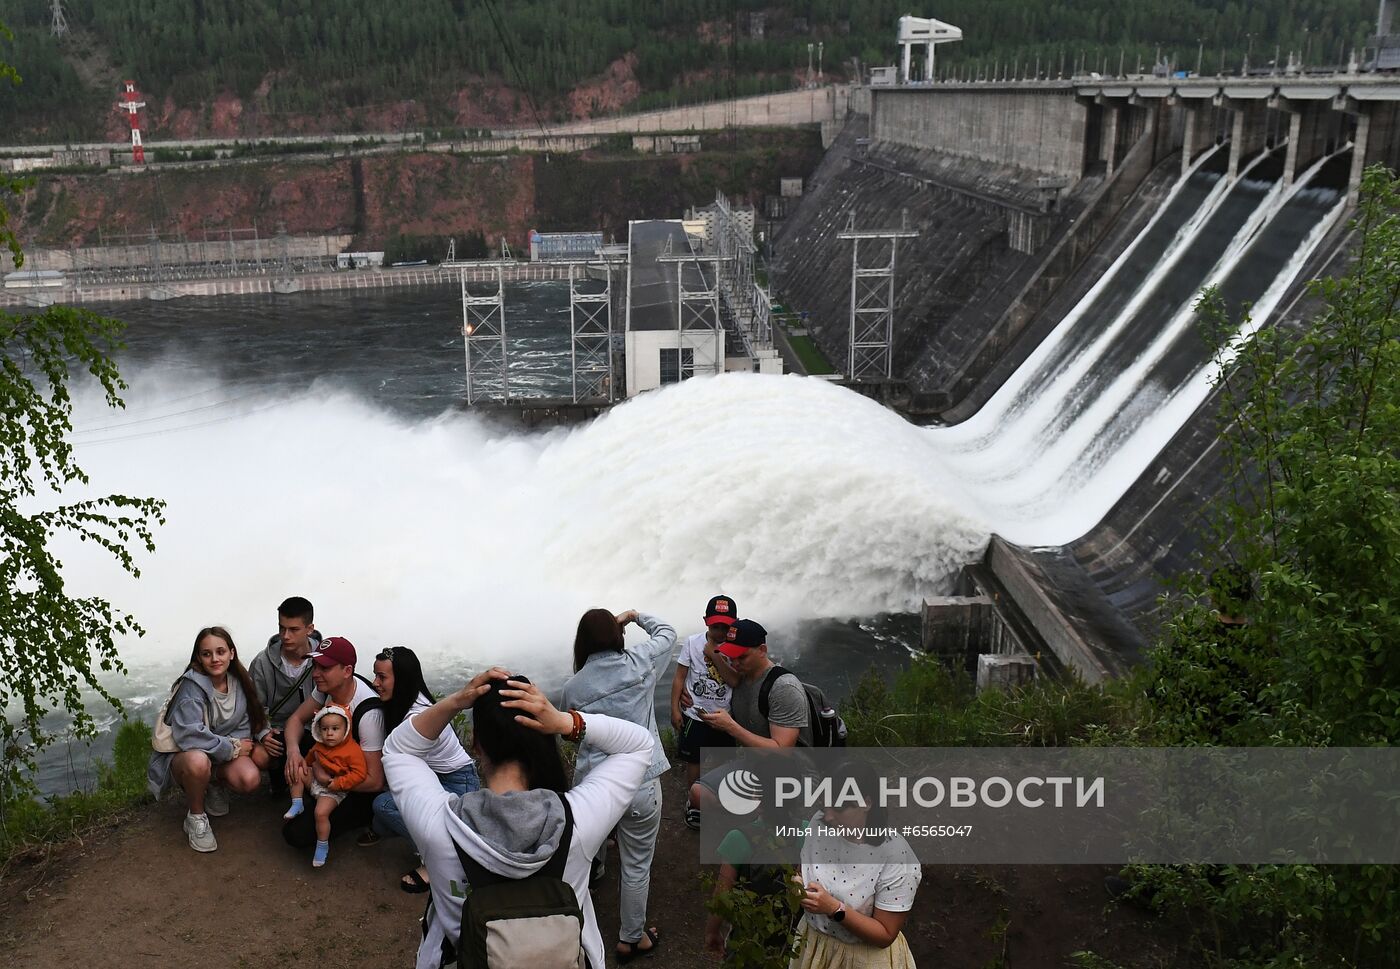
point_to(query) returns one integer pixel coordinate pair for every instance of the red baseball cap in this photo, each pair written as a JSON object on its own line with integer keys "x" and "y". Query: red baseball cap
{"x": 744, "y": 635}
{"x": 721, "y": 609}
{"x": 335, "y": 651}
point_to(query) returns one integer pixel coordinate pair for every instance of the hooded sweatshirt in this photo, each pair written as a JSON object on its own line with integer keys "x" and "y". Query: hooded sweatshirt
{"x": 512, "y": 834}
{"x": 187, "y": 714}
{"x": 345, "y": 762}
{"x": 271, "y": 681}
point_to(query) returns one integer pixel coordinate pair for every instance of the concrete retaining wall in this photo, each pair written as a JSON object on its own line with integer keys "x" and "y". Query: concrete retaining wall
{"x": 280, "y": 284}
{"x": 144, "y": 255}
{"x": 786, "y": 108}
{"x": 959, "y": 628}
{"x": 1042, "y": 130}
{"x": 1059, "y": 633}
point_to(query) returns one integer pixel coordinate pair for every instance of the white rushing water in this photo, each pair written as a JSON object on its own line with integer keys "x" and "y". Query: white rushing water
{"x": 800, "y": 499}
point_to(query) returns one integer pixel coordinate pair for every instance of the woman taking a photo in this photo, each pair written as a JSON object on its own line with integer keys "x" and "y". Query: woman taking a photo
{"x": 398, "y": 679}
{"x": 213, "y": 714}
{"x": 611, "y": 679}
{"x": 858, "y": 885}
{"x": 513, "y": 826}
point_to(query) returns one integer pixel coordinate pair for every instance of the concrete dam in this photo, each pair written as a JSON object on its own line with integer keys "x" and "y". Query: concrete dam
{"x": 1045, "y": 311}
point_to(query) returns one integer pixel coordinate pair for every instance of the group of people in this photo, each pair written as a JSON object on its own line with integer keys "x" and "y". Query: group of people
{"x": 383, "y": 757}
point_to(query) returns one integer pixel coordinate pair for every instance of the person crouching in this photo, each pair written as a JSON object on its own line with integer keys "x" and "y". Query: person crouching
{"x": 337, "y": 764}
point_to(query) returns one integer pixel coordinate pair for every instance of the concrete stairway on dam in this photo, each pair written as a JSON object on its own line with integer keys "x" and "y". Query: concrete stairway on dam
{"x": 960, "y": 266}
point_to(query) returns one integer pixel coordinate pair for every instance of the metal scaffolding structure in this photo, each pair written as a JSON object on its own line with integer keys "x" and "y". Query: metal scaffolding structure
{"x": 698, "y": 309}
{"x": 591, "y": 327}
{"x": 745, "y": 302}
{"x": 58, "y": 26}
{"x": 484, "y": 333}
{"x": 872, "y": 299}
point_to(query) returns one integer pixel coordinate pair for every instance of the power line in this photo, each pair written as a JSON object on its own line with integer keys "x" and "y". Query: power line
{"x": 507, "y": 49}
{"x": 80, "y": 425}
{"x": 166, "y": 417}
{"x": 182, "y": 428}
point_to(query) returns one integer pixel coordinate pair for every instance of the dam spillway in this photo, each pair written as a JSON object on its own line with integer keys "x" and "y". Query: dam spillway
{"x": 1068, "y": 376}
{"x": 1083, "y": 417}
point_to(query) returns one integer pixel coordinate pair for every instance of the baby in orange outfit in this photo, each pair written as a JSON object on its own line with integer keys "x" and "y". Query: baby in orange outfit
{"x": 339, "y": 756}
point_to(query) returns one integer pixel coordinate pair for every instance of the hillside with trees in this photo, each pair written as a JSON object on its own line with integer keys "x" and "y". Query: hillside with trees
{"x": 291, "y": 62}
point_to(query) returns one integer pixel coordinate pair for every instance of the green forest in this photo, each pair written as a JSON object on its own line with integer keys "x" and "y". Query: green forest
{"x": 356, "y": 53}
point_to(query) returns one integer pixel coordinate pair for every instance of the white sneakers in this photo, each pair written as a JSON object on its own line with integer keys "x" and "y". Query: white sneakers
{"x": 216, "y": 801}
{"x": 201, "y": 835}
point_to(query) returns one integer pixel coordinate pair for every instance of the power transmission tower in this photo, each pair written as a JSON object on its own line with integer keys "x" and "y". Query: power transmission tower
{"x": 484, "y": 330}
{"x": 590, "y": 321}
{"x": 872, "y": 299}
{"x": 59, "y": 26}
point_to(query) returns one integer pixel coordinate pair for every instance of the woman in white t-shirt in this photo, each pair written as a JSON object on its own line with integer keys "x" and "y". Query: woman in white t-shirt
{"x": 860, "y": 886}
{"x": 398, "y": 679}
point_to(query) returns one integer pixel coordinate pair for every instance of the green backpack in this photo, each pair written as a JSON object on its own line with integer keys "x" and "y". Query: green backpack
{"x": 535, "y": 921}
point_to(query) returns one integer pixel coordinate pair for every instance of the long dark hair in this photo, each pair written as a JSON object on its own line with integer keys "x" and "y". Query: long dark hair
{"x": 497, "y": 736}
{"x": 598, "y": 632}
{"x": 867, "y": 781}
{"x": 257, "y": 716}
{"x": 408, "y": 684}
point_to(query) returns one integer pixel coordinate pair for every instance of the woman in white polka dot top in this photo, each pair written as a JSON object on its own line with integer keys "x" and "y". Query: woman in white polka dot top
{"x": 859, "y": 888}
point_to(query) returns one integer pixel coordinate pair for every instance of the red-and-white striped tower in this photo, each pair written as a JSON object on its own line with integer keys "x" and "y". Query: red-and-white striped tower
{"x": 130, "y": 105}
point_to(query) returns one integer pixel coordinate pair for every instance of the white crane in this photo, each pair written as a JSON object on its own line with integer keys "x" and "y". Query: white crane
{"x": 926, "y": 31}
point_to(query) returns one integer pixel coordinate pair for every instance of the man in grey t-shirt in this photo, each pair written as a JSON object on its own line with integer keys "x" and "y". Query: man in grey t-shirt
{"x": 746, "y": 648}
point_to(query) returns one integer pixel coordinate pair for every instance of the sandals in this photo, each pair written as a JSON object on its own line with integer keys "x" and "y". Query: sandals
{"x": 414, "y": 883}
{"x": 635, "y": 953}
{"x": 367, "y": 838}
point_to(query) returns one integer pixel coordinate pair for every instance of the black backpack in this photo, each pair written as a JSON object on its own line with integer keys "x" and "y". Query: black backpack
{"x": 828, "y": 729}
{"x": 533, "y": 922}
{"x": 365, "y": 706}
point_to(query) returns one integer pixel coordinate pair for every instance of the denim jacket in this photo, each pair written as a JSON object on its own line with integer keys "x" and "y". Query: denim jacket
{"x": 622, "y": 685}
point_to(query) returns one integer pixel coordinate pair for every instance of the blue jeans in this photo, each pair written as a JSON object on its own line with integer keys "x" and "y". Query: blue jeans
{"x": 636, "y": 846}
{"x": 387, "y": 819}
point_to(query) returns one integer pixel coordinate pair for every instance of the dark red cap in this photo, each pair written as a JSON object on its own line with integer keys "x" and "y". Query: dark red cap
{"x": 335, "y": 651}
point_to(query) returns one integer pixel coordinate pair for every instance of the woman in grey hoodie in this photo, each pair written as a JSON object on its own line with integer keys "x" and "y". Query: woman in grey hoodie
{"x": 213, "y": 715}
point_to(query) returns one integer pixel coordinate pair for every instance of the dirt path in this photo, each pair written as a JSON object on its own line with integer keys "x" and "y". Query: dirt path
{"x": 136, "y": 895}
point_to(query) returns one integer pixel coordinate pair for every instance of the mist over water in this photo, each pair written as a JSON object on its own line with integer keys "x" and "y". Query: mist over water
{"x": 802, "y": 499}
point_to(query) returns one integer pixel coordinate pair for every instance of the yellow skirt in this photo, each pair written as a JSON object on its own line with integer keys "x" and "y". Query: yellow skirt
{"x": 822, "y": 951}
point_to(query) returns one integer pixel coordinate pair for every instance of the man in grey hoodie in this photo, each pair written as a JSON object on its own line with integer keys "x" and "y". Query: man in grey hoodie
{"x": 284, "y": 664}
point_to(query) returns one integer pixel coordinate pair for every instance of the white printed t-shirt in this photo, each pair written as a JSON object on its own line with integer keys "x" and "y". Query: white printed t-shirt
{"x": 371, "y": 725}
{"x": 702, "y": 681}
{"x": 864, "y": 876}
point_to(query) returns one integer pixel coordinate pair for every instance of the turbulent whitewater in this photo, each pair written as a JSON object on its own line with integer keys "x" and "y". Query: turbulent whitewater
{"x": 794, "y": 496}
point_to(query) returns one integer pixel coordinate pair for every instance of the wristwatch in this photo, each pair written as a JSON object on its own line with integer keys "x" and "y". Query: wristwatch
{"x": 840, "y": 914}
